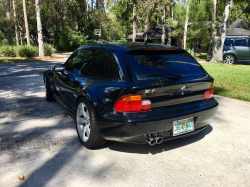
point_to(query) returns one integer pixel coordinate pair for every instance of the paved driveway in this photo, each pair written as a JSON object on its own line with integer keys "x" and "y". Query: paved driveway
{"x": 38, "y": 140}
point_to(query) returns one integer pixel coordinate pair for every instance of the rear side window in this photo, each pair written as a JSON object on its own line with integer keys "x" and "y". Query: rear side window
{"x": 150, "y": 64}
{"x": 228, "y": 42}
{"x": 102, "y": 64}
{"x": 240, "y": 42}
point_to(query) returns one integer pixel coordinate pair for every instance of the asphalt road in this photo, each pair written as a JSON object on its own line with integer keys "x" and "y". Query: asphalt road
{"x": 38, "y": 140}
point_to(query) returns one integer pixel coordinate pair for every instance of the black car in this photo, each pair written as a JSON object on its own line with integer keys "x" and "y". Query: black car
{"x": 132, "y": 93}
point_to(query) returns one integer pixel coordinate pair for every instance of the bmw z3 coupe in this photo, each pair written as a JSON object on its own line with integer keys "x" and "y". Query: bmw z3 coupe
{"x": 132, "y": 93}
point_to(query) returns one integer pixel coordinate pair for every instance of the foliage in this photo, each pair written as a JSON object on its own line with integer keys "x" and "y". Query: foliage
{"x": 240, "y": 10}
{"x": 70, "y": 40}
{"x": 230, "y": 80}
{"x": 7, "y": 50}
{"x": 48, "y": 50}
{"x": 5, "y": 42}
{"x": 122, "y": 41}
{"x": 27, "y": 51}
{"x": 22, "y": 51}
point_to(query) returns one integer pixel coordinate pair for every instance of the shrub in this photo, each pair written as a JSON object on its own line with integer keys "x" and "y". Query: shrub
{"x": 122, "y": 41}
{"x": 27, "y": 51}
{"x": 9, "y": 51}
{"x": 48, "y": 50}
{"x": 5, "y": 42}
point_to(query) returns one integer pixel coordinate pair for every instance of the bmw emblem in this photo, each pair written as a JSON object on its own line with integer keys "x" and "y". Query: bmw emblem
{"x": 183, "y": 87}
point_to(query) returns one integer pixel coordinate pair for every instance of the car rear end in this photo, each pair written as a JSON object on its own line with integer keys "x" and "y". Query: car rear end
{"x": 174, "y": 99}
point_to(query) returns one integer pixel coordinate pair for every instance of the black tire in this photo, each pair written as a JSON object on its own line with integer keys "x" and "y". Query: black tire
{"x": 48, "y": 92}
{"x": 93, "y": 138}
{"x": 229, "y": 59}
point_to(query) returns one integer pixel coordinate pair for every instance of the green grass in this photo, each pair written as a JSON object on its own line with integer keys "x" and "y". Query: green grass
{"x": 230, "y": 80}
{"x": 5, "y": 123}
{"x": 6, "y": 60}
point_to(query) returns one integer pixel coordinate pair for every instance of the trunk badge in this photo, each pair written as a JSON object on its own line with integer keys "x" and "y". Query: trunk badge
{"x": 183, "y": 87}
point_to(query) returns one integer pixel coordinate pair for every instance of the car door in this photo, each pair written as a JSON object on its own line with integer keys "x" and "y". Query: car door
{"x": 65, "y": 81}
{"x": 241, "y": 48}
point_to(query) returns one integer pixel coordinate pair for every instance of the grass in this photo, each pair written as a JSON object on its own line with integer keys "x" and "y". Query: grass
{"x": 7, "y": 60}
{"x": 230, "y": 80}
{"x": 5, "y": 123}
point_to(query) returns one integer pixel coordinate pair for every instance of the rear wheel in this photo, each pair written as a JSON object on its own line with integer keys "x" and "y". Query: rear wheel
{"x": 229, "y": 59}
{"x": 48, "y": 92}
{"x": 86, "y": 125}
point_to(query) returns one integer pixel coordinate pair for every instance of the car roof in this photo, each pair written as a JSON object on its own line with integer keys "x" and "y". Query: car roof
{"x": 132, "y": 46}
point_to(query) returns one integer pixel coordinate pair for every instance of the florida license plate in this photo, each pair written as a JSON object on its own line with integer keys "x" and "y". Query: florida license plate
{"x": 183, "y": 126}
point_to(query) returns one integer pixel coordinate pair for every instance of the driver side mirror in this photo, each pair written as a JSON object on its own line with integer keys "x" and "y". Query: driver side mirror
{"x": 59, "y": 67}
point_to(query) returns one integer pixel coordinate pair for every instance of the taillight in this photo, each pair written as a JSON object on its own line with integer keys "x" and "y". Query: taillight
{"x": 208, "y": 94}
{"x": 132, "y": 103}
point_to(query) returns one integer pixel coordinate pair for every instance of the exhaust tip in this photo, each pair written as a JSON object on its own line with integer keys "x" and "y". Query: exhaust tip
{"x": 151, "y": 141}
{"x": 159, "y": 140}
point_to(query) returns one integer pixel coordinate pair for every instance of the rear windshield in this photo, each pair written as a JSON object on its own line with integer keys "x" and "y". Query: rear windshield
{"x": 150, "y": 64}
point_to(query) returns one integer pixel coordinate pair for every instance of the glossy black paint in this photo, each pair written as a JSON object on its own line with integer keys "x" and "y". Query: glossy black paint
{"x": 169, "y": 103}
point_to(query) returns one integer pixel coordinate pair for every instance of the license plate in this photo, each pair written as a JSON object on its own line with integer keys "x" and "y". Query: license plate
{"x": 183, "y": 126}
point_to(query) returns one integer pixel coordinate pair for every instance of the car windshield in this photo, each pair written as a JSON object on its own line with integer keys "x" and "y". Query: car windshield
{"x": 164, "y": 63}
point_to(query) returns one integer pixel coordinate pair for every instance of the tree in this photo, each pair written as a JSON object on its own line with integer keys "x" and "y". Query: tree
{"x": 39, "y": 28}
{"x": 134, "y": 21}
{"x": 220, "y": 36}
{"x": 186, "y": 26}
{"x": 8, "y": 16}
{"x": 26, "y": 22}
{"x": 15, "y": 22}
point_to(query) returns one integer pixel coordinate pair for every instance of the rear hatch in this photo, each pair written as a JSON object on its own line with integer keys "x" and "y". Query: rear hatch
{"x": 169, "y": 77}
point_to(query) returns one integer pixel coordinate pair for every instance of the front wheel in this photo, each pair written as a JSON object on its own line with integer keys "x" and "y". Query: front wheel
{"x": 229, "y": 59}
{"x": 86, "y": 125}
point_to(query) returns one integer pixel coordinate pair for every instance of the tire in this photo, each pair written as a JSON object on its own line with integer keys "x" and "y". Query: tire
{"x": 48, "y": 92}
{"x": 229, "y": 59}
{"x": 86, "y": 125}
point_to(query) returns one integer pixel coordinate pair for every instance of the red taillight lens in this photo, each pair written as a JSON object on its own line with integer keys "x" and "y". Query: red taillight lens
{"x": 132, "y": 103}
{"x": 208, "y": 94}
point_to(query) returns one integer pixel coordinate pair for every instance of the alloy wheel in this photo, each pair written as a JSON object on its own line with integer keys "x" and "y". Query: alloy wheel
{"x": 83, "y": 122}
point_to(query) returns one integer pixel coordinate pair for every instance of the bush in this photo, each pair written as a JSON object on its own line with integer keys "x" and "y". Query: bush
{"x": 9, "y": 51}
{"x": 27, "y": 51}
{"x": 122, "y": 41}
{"x": 5, "y": 42}
{"x": 48, "y": 50}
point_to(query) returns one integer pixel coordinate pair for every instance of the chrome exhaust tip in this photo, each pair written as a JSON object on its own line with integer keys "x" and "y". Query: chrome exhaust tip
{"x": 159, "y": 139}
{"x": 151, "y": 141}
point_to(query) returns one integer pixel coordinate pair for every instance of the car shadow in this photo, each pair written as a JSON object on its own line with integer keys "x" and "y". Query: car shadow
{"x": 165, "y": 146}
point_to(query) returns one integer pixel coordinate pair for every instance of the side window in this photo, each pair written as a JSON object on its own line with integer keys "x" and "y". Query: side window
{"x": 102, "y": 64}
{"x": 75, "y": 60}
{"x": 228, "y": 42}
{"x": 240, "y": 42}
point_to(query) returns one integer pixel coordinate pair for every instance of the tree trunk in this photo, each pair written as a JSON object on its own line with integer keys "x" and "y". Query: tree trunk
{"x": 146, "y": 29}
{"x": 21, "y": 38}
{"x": 26, "y": 22}
{"x": 39, "y": 28}
{"x": 134, "y": 22}
{"x": 163, "y": 35}
{"x": 76, "y": 19}
{"x": 8, "y": 16}
{"x": 15, "y": 21}
{"x": 213, "y": 26}
{"x": 180, "y": 2}
{"x": 186, "y": 26}
{"x": 87, "y": 9}
{"x": 219, "y": 38}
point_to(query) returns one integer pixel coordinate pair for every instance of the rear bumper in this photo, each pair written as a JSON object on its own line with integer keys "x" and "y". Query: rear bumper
{"x": 134, "y": 127}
